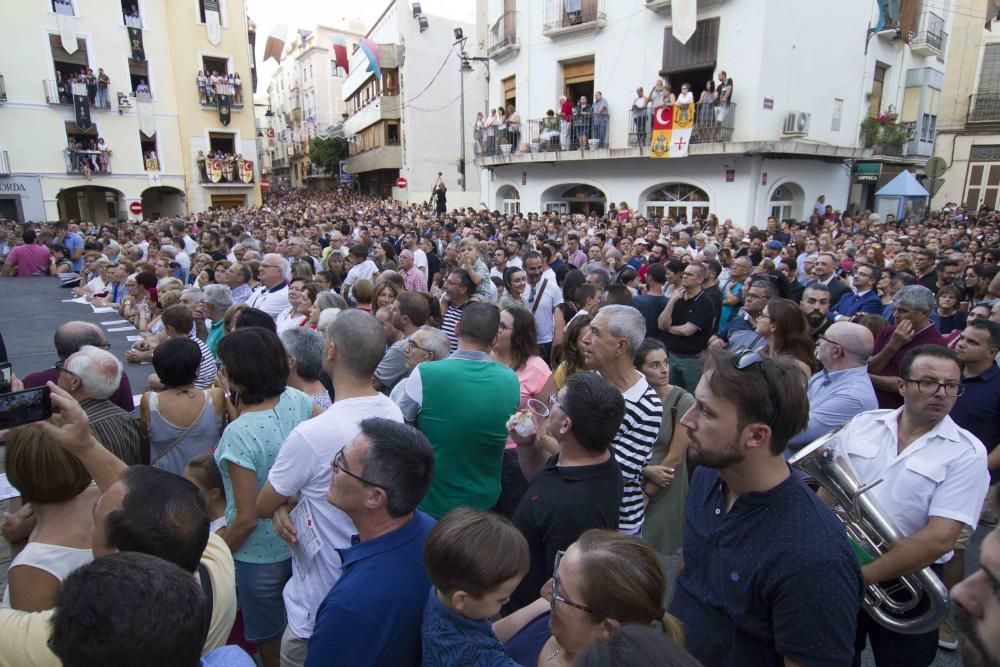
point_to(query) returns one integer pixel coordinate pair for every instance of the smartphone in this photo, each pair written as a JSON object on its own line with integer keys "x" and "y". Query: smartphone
{"x": 5, "y": 377}
{"x": 24, "y": 407}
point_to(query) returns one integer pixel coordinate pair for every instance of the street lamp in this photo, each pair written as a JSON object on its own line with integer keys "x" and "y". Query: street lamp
{"x": 466, "y": 66}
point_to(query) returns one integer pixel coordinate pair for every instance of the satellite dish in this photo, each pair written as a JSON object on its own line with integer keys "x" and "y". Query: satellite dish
{"x": 935, "y": 167}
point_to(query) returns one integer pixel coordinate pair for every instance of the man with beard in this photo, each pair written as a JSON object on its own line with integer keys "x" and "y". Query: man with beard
{"x": 932, "y": 480}
{"x": 977, "y": 607}
{"x": 760, "y": 548}
{"x": 816, "y": 304}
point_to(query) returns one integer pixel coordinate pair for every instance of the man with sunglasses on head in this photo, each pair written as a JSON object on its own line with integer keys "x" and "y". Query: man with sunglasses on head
{"x": 768, "y": 576}
{"x": 933, "y": 480}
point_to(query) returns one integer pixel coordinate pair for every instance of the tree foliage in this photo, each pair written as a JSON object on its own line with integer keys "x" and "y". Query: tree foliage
{"x": 327, "y": 153}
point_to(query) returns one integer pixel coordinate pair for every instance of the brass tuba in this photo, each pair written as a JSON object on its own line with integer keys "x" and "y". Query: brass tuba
{"x": 871, "y": 533}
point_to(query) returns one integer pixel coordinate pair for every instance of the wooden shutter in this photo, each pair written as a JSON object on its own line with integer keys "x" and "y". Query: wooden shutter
{"x": 699, "y": 52}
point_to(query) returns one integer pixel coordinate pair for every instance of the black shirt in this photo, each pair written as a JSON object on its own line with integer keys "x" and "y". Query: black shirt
{"x": 699, "y": 311}
{"x": 715, "y": 294}
{"x": 561, "y": 503}
{"x": 651, "y": 306}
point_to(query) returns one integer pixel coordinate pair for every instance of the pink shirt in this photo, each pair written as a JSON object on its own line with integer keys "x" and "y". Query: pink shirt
{"x": 532, "y": 377}
{"x": 31, "y": 260}
{"x": 414, "y": 280}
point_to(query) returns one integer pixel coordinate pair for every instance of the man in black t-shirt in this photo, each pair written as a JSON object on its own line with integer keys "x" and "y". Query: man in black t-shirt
{"x": 578, "y": 488}
{"x": 652, "y": 303}
{"x": 688, "y": 319}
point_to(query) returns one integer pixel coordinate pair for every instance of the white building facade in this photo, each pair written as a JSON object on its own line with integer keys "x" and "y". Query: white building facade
{"x": 803, "y": 82}
{"x": 409, "y": 124}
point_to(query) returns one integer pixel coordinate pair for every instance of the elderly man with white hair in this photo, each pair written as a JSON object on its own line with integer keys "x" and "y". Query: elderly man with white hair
{"x": 215, "y": 301}
{"x": 92, "y": 376}
{"x": 272, "y": 298}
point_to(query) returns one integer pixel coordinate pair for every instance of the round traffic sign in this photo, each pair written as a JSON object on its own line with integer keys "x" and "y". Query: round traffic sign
{"x": 400, "y": 182}
{"x": 135, "y": 208}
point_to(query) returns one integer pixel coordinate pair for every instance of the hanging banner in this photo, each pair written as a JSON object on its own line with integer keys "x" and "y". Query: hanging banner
{"x": 144, "y": 108}
{"x": 225, "y": 109}
{"x": 246, "y": 172}
{"x": 275, "y": 44}
{"x": 663, "y": 123}
{"x": 684, "y": 16}
{"x": 67, "y": 31}
{"x": 683, "y": 123}
{"x": 215, "y": 170}
{"x": 213, "y": 22}
{"x": 135, "y": 41}
{"x": 81, "y": 106}
{"x": 152, "y": 164}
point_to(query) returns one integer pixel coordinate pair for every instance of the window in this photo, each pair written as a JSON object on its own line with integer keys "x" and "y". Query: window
{"x": 509, "y": 200}
{"x": 138, "y": 74}
{"x": 392, "y": 134}
{"x": 148, "y": 151}
{"x": 64, "y": 7}
{"x": 677, "y": 201}
{"x": 510, "y": 90}
{"x": 212, "y": 64}
{"x": 983, "y": 184}
{"x": 111, "y": 201}
{"x": 578, "y": 79}
{"x": 208, "y": 6}
{"x": 928, "y": 127}
{"x": 224, "y": 142}
{"x": 878, "y": 81}
{"x": 130, "y": 14}
{"x": 782, "y": 202}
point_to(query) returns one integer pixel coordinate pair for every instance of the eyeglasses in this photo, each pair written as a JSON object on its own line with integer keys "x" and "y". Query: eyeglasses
{"x": 751, "y": 295}
{"x": 554, "y": 402}
{"x": 410, "y": 344}
{"x": 831, "y": 341}
{"x": 555, "y": 589}
{"x": 338, "y": 464}
{"x": 60, "y": 367}
{"x": 932, "y": 386}
{"x": 747, "y": 359}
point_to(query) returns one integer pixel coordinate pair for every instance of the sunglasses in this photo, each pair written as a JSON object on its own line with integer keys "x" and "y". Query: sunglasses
{"x": 748, "y": 359}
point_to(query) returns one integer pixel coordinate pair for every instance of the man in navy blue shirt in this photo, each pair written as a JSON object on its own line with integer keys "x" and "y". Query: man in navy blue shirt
{"x": 372, "y": 615}
{"x": 769, "y": 577}
{"x": 862, "y": 299}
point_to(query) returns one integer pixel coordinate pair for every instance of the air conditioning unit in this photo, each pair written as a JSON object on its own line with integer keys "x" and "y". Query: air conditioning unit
{"x": 796, "y": 124}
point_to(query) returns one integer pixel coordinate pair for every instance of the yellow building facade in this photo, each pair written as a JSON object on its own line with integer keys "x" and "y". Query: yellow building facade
{"x": 131, "y": 68}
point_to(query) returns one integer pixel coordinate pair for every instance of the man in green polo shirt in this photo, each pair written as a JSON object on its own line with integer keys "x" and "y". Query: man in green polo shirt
{"x": 215, "y": 301}
{"x": 462, "y": 404}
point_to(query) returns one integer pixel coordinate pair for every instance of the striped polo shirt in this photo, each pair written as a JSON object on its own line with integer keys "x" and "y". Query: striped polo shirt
{"x": 633, "y": 446}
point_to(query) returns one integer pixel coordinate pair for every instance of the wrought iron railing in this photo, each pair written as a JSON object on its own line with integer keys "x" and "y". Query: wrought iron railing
{"x": 87, "y": 161}
{"x": 563, "y": 14}
{"x": 503, "y": 33}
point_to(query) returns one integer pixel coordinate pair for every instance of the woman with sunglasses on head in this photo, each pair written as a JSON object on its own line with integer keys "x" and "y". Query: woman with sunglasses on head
{"x": 783, "y": 325}
{"x": 603, "y": 580}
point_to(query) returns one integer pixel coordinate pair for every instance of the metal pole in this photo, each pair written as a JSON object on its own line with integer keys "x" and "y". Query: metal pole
{"x": 461, "y": 122}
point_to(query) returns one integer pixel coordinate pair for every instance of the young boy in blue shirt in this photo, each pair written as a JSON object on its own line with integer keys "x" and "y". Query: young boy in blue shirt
{"x": 474, "y": 560}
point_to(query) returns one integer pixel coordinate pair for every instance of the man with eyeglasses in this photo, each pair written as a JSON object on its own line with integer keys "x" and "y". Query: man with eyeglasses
{"x": 272, "y": 297}
{"x": 740, "y": 334}
{"x": 842, "y": 389}
{"x": 933, "y": 480}
{"x": 862, "y": 298}
{"x": 768, "y": 575}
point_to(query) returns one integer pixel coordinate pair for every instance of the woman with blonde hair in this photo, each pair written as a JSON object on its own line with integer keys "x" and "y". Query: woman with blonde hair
{"x": 386, "y": 292}
{"x": 362, "y": 293}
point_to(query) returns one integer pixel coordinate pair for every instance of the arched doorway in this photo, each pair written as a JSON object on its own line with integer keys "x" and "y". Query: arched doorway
{"x": 786, "y": 202}
{"x": 91, "y": 202}
{"x": 677, "y": 201}
{"x": 508, "y": 200}
{"x": 575, "y": 198}
{"x": 163, "y": 202}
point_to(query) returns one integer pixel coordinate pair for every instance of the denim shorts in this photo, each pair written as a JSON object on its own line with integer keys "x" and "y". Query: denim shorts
{"x": 258, "y": 592}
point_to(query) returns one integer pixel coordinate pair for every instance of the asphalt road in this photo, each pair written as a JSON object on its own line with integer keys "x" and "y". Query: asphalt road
{"x": 31, "y": 309}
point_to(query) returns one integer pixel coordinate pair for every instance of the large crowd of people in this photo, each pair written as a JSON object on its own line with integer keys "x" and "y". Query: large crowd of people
{"x": 380, "y": 433}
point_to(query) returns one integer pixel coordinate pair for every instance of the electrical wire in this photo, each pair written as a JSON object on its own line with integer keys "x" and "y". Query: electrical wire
{"x": 431, "y": 82}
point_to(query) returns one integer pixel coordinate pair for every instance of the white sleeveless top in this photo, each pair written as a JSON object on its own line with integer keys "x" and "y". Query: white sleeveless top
{"x": 56, "y": 560}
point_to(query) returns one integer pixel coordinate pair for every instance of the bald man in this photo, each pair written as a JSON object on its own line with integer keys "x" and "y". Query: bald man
{"x": 842, "y": 389}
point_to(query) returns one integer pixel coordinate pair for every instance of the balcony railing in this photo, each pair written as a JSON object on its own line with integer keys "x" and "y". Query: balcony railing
{"x": 3, "y": 90}
{"x": 712, "y": 123}
{"x": 928, "y": 43}
{"x": 87, "y": 162}
{"x": 984, "y": 108}
{"x": 209, "y": 93}
{"x": 503, "y": 36}
{"x": 572, "y": 15}
{"x": 889, "y": 150}
{"x": 60, "y": 93}
{"x": 227, "y": 170}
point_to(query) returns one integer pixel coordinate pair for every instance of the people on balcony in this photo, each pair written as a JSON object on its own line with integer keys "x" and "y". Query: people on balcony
{"x": 132, "y": 18}
{"x": 550, "y": 130}
{"x": 90, "y": 79}
{"x": 705, "y": 116}
{"x": 237, "y": 89}
{"x": 600, "y": 111}
{"x": 203, "y": 93}
{"x": 86, "y": 156}
{"x": 514, "y": 126}
{"x": 479, "y": 133}
{"x": 62, "y": 89}
{"x": 640, "y": 117}
{"x": 103, "y": 85}
{"x": 565, "y": 122}
{"x": 491, "y": 132}
{"x": 582, "y": 119}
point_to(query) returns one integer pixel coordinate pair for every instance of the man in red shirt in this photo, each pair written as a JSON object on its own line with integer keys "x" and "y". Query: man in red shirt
{"x": 29, "y": 259}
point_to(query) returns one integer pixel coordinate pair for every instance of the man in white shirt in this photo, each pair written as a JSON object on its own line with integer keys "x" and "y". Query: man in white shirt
{"x": 273, "y": 297}
{"x": 934, "y": 479}
{"x": 543, "y": 296}
{"x": 353, "y": 351}
{"x": 362, "y": 268}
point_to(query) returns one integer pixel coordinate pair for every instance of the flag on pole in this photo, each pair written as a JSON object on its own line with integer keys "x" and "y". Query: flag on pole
{"x": 340, "y": 53}
{"x": 275, "y": 44}
{"x": 663, "y": 126}
{"x": 370, "y": 49}
{"x": 684, "y": 14}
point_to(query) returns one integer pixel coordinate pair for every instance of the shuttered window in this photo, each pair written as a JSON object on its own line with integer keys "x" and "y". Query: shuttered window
{"x": 699, "y": 52}
{"x": 911, "y": 105}
{"x": 578, "y": 72}
{"x": 989, "y": 73}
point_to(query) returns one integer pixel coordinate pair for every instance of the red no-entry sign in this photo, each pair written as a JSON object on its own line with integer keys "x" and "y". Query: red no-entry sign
{"x": 135, "y": 208}
{"x": 400, "y": 182}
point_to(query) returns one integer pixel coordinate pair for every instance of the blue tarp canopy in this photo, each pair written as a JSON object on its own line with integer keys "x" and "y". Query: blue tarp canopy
{"x": 904, "y": 185}
{"x": 902, "y": 196}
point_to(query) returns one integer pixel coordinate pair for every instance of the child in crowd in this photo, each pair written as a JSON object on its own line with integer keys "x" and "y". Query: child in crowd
{"x": 203, "y": 472}
{"x": 474, "y": 560}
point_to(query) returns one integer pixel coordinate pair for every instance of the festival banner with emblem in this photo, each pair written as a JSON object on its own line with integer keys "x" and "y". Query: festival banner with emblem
{"x": 225, "y": 109}
{"x": 213, "y": 22}
{"x": 246, "y": 172}
{"x": 81, "y": 106}
{"x": 215, "y": 171}
{"x": 683, "y": 125}
{"x": 663, "y": 125}
{"x": 135, "y": 40}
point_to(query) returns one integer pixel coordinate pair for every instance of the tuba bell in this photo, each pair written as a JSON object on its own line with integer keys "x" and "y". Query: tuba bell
{"x": 872, "y": 532}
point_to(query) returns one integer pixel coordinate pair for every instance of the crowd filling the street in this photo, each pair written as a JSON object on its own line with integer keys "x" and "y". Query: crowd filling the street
{"x": 379, "y": 433}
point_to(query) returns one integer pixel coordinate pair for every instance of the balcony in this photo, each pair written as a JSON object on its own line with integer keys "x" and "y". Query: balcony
{"x": 279, "y": 163}
{"x": 984, "y": 108}
{"x": 380, "y": 157}
{"x": 664, "y": 5}
{"x": 712, "y": 123}
{"x": 316, "y": 172}
{"x": 928, "y": 43}
{"x": 565, "y": 17}
{"x": 87, "y": 162}
{"x": 382, "y": 108}
{"x": 4, "y": 164}
{"x": 3, "y": 90}
{"x": 59, "y": 93}
{"x": 503, "y": 37}
{"x": 209, "y": 94}
{"x": 228, "y": 170}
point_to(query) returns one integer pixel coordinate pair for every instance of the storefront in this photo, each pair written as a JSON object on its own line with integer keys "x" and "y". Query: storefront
{"x": 21, "y": 199}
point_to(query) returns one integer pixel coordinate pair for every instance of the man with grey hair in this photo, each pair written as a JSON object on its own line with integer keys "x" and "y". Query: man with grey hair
{"x": 297, "y": 249}
{"x": 236, "y": 277}
{"x": 215, "y": 301}
{"x": 272, "y": 298}
{"x": 68, "y": 339}
{"x": 913, "y": 305}
{"x": 91, "y": 376}
{"x": 425, "y": 344}
{"x": 609, "y": 347}
{"x": 353, "y": 351}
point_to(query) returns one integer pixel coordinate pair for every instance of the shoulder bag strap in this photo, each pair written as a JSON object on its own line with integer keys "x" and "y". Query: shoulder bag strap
{"x": 184, "y": 434}
{"x": 538, "y": 297}
{"x": 206, "y": 585}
